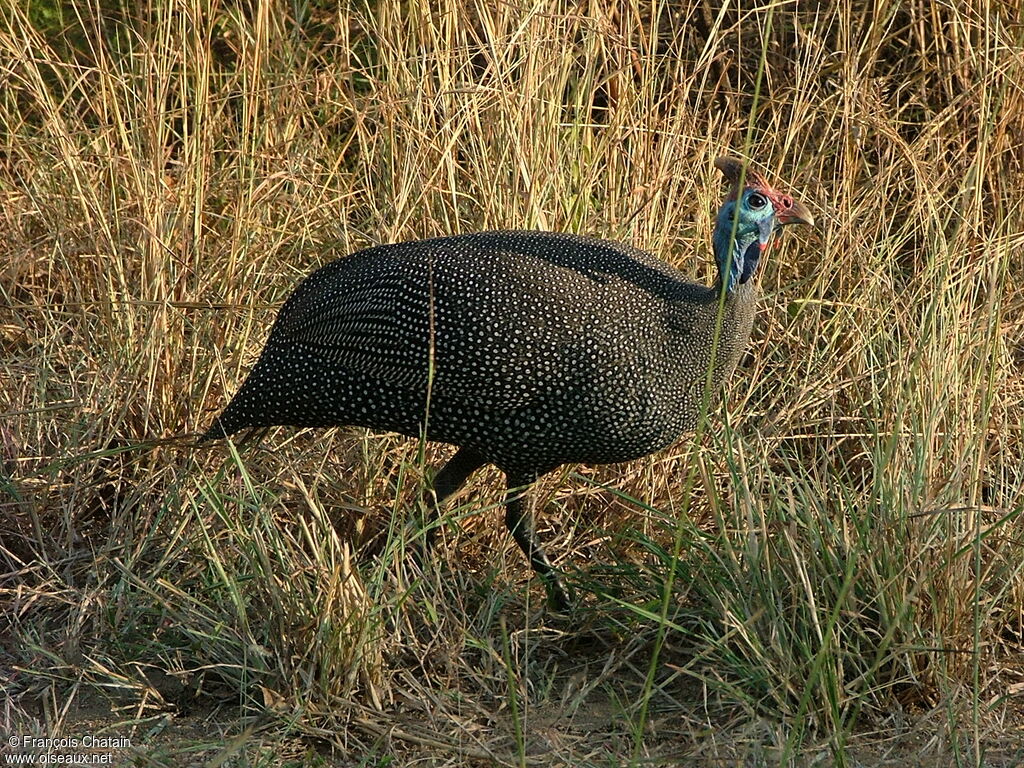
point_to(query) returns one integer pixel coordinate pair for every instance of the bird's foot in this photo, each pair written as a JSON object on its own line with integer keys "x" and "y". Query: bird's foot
{"x": 559, "y": 598}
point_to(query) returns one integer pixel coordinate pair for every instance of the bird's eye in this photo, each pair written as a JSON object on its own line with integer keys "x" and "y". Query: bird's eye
{"x": 756, "y": 201}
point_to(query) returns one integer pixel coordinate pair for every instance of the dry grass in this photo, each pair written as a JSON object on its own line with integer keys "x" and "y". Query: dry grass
{"x": 836, "y": 563}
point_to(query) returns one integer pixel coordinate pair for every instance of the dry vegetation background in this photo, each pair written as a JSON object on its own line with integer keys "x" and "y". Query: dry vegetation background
{"x": 832, "y": 573}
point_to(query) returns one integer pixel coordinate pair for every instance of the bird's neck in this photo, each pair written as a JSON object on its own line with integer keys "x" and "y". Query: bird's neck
{"x": 740, "y": 292}
{"x": 737, "y": 321}
{"x": 737, "y": 257}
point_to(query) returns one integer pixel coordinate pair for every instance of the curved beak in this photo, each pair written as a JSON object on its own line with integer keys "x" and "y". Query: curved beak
{"x": 790, "y": 211}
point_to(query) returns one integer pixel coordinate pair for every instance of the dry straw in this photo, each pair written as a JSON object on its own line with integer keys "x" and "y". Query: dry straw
{"x": 843, "y": 543}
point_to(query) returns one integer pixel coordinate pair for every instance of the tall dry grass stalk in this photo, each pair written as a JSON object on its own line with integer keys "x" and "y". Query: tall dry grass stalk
{"x": 845, "y": 540}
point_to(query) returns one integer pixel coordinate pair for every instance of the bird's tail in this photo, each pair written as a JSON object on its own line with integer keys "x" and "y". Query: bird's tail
{"x": 216, "y": 431}
{"x": 228, "y": 422}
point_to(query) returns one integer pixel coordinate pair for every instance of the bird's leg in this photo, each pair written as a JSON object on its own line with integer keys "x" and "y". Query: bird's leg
{"x": 447, "y": 481}
{"x": 520, "y": 524}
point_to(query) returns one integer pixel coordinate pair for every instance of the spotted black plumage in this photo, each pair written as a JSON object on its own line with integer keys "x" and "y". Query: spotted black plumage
{"x": 528, "y": 350}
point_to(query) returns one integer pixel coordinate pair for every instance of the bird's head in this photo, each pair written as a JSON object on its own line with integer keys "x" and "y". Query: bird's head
{"x": 751, "y": 213}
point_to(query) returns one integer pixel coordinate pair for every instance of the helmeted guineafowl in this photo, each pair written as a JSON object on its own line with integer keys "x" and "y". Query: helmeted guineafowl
{"x": 528, "y": 350}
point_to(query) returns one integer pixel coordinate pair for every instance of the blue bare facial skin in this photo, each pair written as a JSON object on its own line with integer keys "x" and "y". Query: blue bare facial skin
{"x": 738, "y": 252}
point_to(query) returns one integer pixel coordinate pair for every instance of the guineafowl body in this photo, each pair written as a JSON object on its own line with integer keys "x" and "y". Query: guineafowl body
{"x": 528, "y": 350}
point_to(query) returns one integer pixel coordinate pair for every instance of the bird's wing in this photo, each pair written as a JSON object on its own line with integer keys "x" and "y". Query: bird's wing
{"x": 347, "y": 315}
